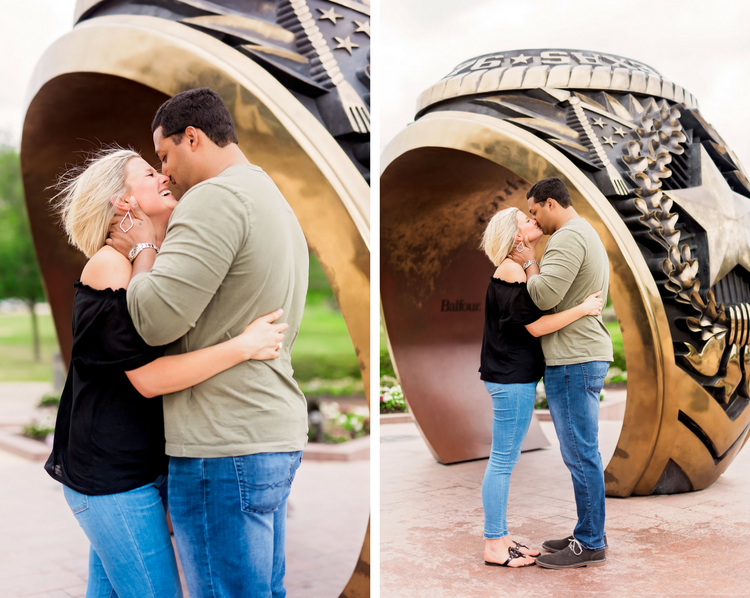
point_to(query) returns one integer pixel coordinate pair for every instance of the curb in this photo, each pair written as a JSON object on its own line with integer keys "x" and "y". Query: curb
{"x": 24, "y": 447}
{"x": 353, "y": 450}
{"x": 396, "y": 418}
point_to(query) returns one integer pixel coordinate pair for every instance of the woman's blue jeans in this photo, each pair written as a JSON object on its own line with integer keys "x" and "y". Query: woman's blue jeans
{"x": 131, "y": 553}
{"x": 573, "y": 397}
{"x": 512, "y": 408}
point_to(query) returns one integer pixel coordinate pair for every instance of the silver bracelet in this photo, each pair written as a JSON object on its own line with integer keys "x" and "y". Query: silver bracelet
{"x": 140, "y": 247}
{"x": 527, "y": 264}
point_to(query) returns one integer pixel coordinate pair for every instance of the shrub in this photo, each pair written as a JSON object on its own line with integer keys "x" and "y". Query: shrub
{"x": 42, "y": 424}
{"x": 50, "y": 399}
{"x": 336, "y": 423}
{"x": 391, "y": 396}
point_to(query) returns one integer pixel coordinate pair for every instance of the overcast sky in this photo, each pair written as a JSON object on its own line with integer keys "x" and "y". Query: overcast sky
{"x": 27, "y": 28}
{"x": 701, "y": 45}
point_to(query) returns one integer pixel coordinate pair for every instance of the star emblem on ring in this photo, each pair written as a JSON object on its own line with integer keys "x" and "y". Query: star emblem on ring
{"x": 363, "y": 27}
{"x": 723, "y": 214}
{"x": 345, "y": 44}
{"x": 330, "y": 15}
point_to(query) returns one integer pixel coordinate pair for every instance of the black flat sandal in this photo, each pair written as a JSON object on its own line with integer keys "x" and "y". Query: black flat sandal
{"x": 519, "y": 546}
{"x": 513, "y": 553}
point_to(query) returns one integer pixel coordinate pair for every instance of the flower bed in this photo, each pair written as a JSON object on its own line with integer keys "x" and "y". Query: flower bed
{"x": 391, "y": 396}
{"x": 42, "y": 424}
{"x": 334, "y": 423}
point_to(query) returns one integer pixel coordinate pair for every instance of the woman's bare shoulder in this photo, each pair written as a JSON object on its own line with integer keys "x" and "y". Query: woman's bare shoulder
{"x": 107, "y": 269}
{"x": 510, "y": 271}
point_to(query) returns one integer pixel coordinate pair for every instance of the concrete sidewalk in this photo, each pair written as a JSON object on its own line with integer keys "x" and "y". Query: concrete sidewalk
{"x": 687, "y": 545}
{"x": 44, "y": 554}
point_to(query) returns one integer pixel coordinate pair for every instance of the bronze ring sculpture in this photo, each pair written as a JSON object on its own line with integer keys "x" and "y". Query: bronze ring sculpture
{"x": 295, "y": 76}
{"x": 671, "y": 203}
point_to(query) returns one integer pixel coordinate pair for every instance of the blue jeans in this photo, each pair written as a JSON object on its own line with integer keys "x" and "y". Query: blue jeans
{"x": 573, "y": 397}
{"x": 512, "y": 407}
{"x": 229, "y": 520}
{"x": 131, "y": 553}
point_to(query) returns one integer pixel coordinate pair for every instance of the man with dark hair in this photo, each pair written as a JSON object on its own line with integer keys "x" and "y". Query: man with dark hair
{"x": 233, "y": 251}
{"x": 553, "y": 188}
{"x": 573, "y": 267}
{"x": 201, "y": 108}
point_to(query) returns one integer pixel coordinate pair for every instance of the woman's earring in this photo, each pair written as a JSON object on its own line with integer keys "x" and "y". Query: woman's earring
{"x": 126, "y": 217}
{"x": 520, "y": 248}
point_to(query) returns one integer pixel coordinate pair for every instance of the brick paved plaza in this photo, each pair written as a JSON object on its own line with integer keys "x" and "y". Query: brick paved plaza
{"x": 680, "y": 546}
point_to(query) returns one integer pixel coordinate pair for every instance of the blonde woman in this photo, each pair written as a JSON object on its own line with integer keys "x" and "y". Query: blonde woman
{"x": 109, "y": 441}
{"x": 512, "y": 363}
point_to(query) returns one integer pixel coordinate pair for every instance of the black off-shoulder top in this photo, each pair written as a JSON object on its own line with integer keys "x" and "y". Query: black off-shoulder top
{"x": 510, "y": 354}
{"x": 108, "y": 437}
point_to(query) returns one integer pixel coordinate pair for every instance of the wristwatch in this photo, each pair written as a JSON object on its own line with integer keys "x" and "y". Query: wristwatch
{"x": 140, "y": 247}
{"x": 528, "y": 263}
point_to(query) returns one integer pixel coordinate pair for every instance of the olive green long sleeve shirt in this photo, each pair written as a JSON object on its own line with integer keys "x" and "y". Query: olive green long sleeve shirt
{"x": 233, "y": 251}
{"x": 574, "y": 266}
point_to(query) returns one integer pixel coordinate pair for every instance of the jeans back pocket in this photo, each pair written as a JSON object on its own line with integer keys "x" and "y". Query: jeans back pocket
{"x": 265, "y": 480}
{"x": 76, "y": 501}
{"x": 594, "y": 373}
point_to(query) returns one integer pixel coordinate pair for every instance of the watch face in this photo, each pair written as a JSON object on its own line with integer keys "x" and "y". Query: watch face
{"x": 668, "y": 198}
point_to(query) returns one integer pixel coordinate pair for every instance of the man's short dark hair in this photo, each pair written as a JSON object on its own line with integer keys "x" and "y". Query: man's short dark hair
{"x": 201, "y": 108}
{"x": 551, "y": 187}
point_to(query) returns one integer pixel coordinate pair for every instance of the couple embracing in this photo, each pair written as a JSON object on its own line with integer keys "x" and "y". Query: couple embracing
{"x": 558, "y": 303}
{"x": 188, "y": 301}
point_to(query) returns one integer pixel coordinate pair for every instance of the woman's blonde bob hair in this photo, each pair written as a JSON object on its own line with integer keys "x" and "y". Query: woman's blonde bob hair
{"x": 84, "y": 201}
{"x": 500, "y": 234}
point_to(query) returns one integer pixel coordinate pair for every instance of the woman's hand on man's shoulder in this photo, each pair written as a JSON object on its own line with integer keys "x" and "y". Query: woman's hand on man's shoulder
{"x": 107, "y": 269}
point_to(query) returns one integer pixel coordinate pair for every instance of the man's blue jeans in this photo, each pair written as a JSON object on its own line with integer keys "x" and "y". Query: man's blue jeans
{"x": 131, "y": 554}
{"x": 573, "y": 397}
{"x": 229, "y": 520}
{"x": 512, "y": 406}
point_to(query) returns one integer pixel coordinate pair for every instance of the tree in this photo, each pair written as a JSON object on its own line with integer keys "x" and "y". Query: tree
{"x": 19, "y": 271}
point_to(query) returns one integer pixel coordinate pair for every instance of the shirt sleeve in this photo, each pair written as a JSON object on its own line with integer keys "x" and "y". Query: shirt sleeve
{"x": 522, "y": 309}
{"x": 205, "y": 233}
{"x": 562, "y": 260}
{"x": 106, "y": 337}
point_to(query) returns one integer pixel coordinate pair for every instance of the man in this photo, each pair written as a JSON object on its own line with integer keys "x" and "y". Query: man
{"x": 233, "y": 251}
{"x": 574, "y": 265}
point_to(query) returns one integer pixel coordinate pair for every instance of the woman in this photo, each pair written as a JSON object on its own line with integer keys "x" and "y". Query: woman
{"x": 512, "y": 365}
{"x": 109, "y": 441}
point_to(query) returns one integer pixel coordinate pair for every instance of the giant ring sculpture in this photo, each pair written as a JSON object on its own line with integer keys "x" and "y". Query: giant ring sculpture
{"x": 668, "y": 198}
{"x": 293, "y": 73}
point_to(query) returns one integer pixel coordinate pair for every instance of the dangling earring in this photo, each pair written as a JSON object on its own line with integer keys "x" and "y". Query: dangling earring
{"x": 519, "y": 248}
{"x": 128, "y": 217}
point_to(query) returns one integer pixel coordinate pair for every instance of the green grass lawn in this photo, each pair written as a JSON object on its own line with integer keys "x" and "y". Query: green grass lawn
{"x": 323, "y": 348}
{"x": 16, "y": 352}
{"x": 617, "y": 348}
